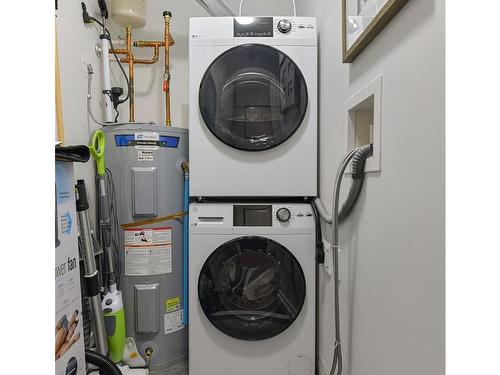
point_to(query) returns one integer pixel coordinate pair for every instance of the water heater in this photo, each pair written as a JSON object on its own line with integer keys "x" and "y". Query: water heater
{"x": 129, "y": 13}
{"x": 146, "y": 165}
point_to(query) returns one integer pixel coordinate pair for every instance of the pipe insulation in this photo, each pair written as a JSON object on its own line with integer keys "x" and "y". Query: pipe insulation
{"x": 361, "y": 153}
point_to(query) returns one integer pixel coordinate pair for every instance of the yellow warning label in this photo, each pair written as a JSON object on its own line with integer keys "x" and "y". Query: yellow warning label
{"x": 172, "y": 304}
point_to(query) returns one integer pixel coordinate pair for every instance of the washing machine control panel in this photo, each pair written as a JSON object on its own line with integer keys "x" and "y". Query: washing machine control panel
{"x": 285, "y": 215}
{"x": 250, "y": 217}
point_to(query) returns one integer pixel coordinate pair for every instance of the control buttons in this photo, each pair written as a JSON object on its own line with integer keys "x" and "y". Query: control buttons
{"x": 284, "y": 26}
{"x": 108, "y": 302}
{"x": 283, "y": 215}
{"x": 107, "y": 310}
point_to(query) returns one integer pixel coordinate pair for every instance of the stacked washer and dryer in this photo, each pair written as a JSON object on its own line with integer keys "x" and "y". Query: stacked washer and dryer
{"x": 253, "y": 168}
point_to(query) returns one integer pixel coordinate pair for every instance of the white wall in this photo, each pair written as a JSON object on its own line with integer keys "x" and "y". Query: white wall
{"x": 392, "y": 255}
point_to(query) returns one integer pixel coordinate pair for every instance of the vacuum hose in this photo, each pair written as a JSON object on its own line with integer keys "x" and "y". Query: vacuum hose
{"x": 102, "y": 362}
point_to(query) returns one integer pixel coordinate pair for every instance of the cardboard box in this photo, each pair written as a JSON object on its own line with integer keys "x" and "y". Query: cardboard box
{"x": 69, "y": 341}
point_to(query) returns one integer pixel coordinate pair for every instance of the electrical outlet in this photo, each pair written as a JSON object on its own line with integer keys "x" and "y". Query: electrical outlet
{"x": 328, "y": 265}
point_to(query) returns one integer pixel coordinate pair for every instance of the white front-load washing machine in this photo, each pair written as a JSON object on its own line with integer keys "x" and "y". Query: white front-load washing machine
{"x": 251, "y": 289}
{"x": 253, "y": 106}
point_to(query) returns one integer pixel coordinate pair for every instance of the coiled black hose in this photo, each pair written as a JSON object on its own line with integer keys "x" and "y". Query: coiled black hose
{"x": 358, "y": 175}
{"x": 106, "y": 365}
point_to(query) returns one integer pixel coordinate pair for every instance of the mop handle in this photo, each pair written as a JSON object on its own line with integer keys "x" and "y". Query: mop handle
{"x": 96, "y": 148}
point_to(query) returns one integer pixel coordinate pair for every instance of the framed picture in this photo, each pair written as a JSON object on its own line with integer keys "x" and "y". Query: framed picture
{"x": 362, "y": 20}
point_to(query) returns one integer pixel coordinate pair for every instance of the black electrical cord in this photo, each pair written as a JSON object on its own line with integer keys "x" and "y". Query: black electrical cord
{"x": 320, "y": 251}
{"x": 103, "y": 363}
{"x": 104, "y": 14}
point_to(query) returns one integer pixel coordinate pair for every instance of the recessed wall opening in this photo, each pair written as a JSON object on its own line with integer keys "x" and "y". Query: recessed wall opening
{"x": 363, "y": 122}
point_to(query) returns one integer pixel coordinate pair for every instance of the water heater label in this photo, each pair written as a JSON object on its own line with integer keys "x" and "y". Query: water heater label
{"x": 172, "y": 304}
{"x": 147, "y": 141}
{"x": 173, "y": 322}
{"x": 148, "y": 251}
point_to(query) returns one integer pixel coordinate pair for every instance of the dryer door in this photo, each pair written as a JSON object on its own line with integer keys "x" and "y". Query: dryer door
{"x": 253, "y": 97}
{"x": 251, "y": 288}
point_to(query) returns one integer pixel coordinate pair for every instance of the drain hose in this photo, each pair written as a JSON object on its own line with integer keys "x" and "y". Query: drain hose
{"x": 358, "y": 174}
{"x": 102, "y": 362}
{"x": 358, "y": 156}
{"x": 358, "y": 166}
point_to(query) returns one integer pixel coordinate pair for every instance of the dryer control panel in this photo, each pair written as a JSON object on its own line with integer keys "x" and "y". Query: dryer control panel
{"x": 276, "y": 30}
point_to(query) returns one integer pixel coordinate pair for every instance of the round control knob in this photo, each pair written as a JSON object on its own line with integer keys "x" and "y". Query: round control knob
{"x": 283, "y": 215}
{"x": 284, "y": 26}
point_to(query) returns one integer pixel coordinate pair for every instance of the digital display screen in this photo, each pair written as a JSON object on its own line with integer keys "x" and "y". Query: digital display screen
{"x": 253, "y": 216}
{"x": 251, "y": 27}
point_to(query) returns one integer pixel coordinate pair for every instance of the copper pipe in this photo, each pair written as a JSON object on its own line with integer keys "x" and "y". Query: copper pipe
{"x": 119, "y": 51}
{"x": 155, "y": 45}
{"x": 131, "y": 61}
{"x": 149, "y": 61}
{"x": 148, "y": 43}
{"x": 167, "y": 42}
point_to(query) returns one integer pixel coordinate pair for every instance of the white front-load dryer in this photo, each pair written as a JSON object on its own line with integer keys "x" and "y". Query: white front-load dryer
{"x": 253, "y": 106}
{"x": 251, "y": 289}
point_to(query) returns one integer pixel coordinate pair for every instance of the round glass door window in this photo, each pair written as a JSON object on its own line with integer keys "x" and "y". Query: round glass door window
{"x": 251, "y": 288}
{"x": 253, "y": 97}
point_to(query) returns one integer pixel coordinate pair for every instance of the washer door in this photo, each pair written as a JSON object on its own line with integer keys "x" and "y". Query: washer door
{"x": 251, "y": 288}
{"x": 253, "y": 97}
